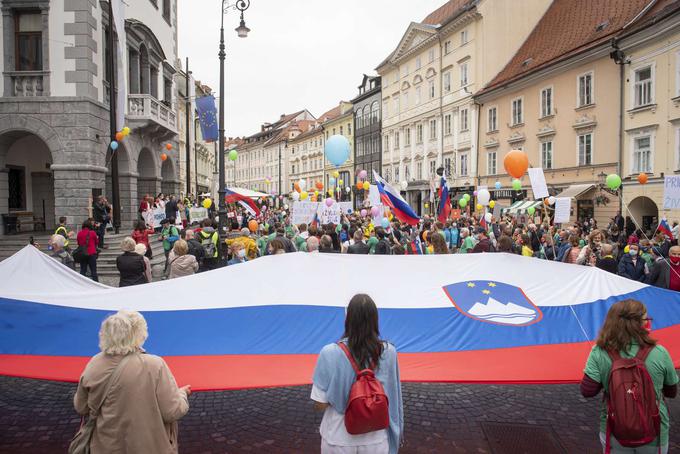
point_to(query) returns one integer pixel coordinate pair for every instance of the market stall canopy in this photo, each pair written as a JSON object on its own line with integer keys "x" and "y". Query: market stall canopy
{"x": 248, "y": 193}
{"x": 522, "y": 206}
{"x": 496, "y": 318}
{"x": 575, "y": 190}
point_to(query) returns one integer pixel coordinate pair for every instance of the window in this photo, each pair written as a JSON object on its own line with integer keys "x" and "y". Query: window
{"x": 407, "y": 172}
{"x": 431, "y": 89}
{"x": 447, "y": 166}
{"x": 463, "y": 119}
{"x": 433, "y": 129}
{"x": 447, "y": 124}
{"x": 418, "y": 65}
{"x": 585, "y": 89}
{"x": 387, "y": 143}
{"x": 463, "y": 37}
{"x": 407, "y": 137}
{"x": 643, "y": 86}
{"x": 367, "y": 116}
{"x": 349, "y": 130}
{"x": 642, "y": 154}
{"x": 430, "y": 56}
{"x": 341, "y": 133}
{"x": 396, "y": 174}
{"x": 491, "y": 163}
{"x": 28, "y": 41}
{"x": 463, "y": 74}
{"x": 463, "y": 165}
{"x": 419, "y": 133}
{"x": 396, "y": 139}
{"x": 447, "y": 47}
{"x": 419, "y": 170}
{"x": 375, "y": 112}
{"x": 492, "y": 116}
{"x": 517, "y": 115}
{"x": 547, "y": 155}
{"x": 333, "y": 134}
{"x": 404, "y": 102}
{"x": 404, "y": 71}
{"x": 585, "y": 149}
{"x": 386, "y": 108}
{"x": 546, "y": 102}
{"x": 418, "y": 92}
{"x": 166, "y": 10}
{"x": 433, "y": 167}
{"x": 447, "y": 81}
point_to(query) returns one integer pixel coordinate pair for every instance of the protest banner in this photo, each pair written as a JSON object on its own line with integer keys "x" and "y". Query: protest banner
{"x": 671, "y": 192}
{"x": 303, "y": 212}
{"x": 197, "y": 214}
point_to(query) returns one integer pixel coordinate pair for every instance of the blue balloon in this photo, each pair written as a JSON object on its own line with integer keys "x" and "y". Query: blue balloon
{"x": 337, "y": 150}
{"x": 114, "y": 145}
{"x": 498, "y": 185}
{"x": 331, "y": 181}
{"x": 385, "y": 223}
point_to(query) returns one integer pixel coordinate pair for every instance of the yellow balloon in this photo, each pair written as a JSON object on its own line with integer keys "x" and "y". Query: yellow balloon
{"x": 336, "y": 174}
{"x": 126, "y": 131}
{"x": 427, "y": 205}
{"x": 479, "y": 207}
{"x": 340, "y": 182}
{"x": 304, "y": 195}
{"x": 492, "y": 204}
{"x": 316, "y": 193}
{"x": 367, "y": 185}
{"x": 207, "y": 203}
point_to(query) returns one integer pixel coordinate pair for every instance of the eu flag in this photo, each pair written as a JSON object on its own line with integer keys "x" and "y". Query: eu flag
{"x": 207, "y": 116}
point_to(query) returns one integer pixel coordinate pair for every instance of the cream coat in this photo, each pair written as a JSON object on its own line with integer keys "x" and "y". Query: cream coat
{"x": 141, "y": 411}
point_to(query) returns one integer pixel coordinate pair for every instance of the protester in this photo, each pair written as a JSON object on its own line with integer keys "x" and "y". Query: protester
{"x": 326, "y": 245}
{"x": 132, "y": 394}
{"x": 169, "y": 235}
{"x": 467, "y": 244}
{"x": 64, "y": 231}
{"x": 276, "y": 247}
{"x": 334, "y": 376}
{"x": 312, "y": 244}
{"x": 88, "y": 239}
{"x": 101, "y": 211}
{"x": 483, "y": 242}
{"x": 359, "y": 247}
{"x": 438, "y": 243}
{"x": 141, "y": 236}
{"x": 130, "y": 265}
{"x": 238, "y": 253}
{"x": 525, "y": 241}
{"x": 195, "y": 247}
{"x": 626, "y": 334}
{"x": 171, "y": 208}
{"x": 606, "y": 260}
{"x": 631, "y": 265}
{"x": 141, "y": 250}
{"x": 59, "y": 253}
{"x": 384, "y": 247}
{"x": 181, "y": 262}
{"x": 209, "y": 239}
{"x": 571, "y": 254}
{"x": 591, "y": 252}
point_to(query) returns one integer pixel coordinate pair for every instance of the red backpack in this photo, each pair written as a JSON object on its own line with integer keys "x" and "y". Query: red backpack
{"x": 367, "y": 407}
{"x": 632, "y": 406}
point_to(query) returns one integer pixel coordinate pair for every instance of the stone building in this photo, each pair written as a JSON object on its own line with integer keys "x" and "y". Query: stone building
{"x": 367, "y": 132}
{"x": 54, "y": 114}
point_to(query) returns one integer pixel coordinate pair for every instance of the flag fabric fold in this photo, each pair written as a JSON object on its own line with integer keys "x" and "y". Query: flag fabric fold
{"x": 665, "y": 228}
{"x": 391, "y": 197}
{"x": 207, "y": 117}
{"x": 244, "y": 201}
{"x": 444, "y": 202}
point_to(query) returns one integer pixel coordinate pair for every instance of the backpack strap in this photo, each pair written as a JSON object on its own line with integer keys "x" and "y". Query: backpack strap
{"x": 350, "y": 357}
{"x": 643, "y": 353}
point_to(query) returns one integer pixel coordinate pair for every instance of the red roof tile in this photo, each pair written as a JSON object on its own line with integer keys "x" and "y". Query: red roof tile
{"x": 446, "y": 11}
{"x": 567, "y": 28}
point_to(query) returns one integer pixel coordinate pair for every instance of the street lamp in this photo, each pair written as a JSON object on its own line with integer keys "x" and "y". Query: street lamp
{"x": 242, "y": 31}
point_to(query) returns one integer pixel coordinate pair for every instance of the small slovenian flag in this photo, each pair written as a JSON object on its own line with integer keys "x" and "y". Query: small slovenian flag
{"x": 665, "y": 228}
{"x": 245, "y": 202}
{"x": 444, "y": 202}
{"x": 392, "y": 199}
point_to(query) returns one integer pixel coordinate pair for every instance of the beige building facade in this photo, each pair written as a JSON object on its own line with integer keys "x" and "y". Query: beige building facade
{"x": 339, "y": 121}
{"x": 306, "y": 158}
{"x": 429, "y": 118}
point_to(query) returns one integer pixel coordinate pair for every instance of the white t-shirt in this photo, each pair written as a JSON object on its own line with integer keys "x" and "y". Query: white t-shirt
{"x": 333, "y": 429}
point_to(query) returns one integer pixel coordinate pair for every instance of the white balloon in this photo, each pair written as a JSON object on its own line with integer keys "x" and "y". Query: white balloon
{"x": 296, "y": 196}
{"x": 303, "y": 184}
{"x": 403, "y": 185}
{"x": 551, "y": 200}
{"x": 285, "y": 207}
{"x": 348, "y": 189}
{"x": 487, "y": 217}
{"x": 483, "y": 197}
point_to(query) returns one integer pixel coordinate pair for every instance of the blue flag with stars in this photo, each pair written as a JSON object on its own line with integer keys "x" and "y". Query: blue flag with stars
{"x": 207, "y": 117}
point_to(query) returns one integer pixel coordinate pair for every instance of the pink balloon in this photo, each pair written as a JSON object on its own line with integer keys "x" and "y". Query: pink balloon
{"x": 475, "y": 193}
{"x": 375, "y": 211}
{"x": 363, "y": 213}
{"x": 362, "y": 174}
{"x": 329, "y": 202}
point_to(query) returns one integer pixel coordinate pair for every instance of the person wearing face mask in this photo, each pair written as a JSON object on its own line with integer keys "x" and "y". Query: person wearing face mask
{"x": 238, "y": 252}
{"x": 632, "y": 265}
{"x": 665, "y": 273}
{"x": 483, "y": 242}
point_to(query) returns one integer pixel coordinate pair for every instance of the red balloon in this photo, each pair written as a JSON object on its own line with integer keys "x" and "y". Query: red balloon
{"x": 643, "y": 178}
{"x": 168, "y": 146}
{"x": 119, "y": 136}
{"x": 164, "y": 156}
{"x": 516, "y": 163}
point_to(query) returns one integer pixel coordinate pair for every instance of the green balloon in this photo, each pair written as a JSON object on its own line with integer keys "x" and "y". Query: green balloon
{"x": 233, "y": 154}
{"x": 613, "y": 181}
{"x": 466, "y": 197}
{"x": 462, "y": 202}
{"x": 516, "y": 184}
{"x": 531, "y": 211}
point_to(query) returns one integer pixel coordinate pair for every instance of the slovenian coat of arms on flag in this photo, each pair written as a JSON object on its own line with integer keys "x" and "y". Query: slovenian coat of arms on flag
{"x": 493, "y": 302}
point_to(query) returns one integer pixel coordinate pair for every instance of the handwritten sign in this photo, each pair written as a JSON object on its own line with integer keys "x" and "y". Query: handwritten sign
{"x": 562, "y": 209}
{"x": 304, "y": 212}
{"x": 538, "y": 186}
{"x": 671, "y": 192}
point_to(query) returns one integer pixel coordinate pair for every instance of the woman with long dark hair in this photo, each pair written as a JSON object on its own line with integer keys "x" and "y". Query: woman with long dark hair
{"x": 625, "y": 333}
{"x": 334, "y": 376}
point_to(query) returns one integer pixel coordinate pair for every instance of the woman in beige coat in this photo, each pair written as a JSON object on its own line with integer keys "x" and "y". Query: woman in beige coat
{"x": 140, "y": 413}
{"x": 181, "y": 262}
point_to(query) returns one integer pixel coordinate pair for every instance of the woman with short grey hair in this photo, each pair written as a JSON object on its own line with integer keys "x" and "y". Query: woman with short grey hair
{"x": 130, "y": 265}
{"x": 132, "y": 395}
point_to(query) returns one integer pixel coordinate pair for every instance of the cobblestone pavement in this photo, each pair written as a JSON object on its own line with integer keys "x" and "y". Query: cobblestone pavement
{"x": 38, "y": 417}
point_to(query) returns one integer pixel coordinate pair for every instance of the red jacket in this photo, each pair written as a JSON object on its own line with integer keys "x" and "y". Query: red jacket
{"x": 142, "y": 237}
{"x": 93, "y": 243}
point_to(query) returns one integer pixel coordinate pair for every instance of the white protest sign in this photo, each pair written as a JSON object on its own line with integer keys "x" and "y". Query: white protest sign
{"x": 671, "y": 192}
{"x": 158, "y": 216}
{"x": 538, "y": 186}
{"x": 374, "y": 195}
{"x": 303, "y": 212}
{"x": 197, "y": 214}
{"x": 333, "y": 214}
{"x": 562, "y": 209}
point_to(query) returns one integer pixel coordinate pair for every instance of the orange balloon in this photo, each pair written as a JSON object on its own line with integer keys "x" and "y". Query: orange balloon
{"x": 297, "y": 187}
{"x": 252, "y": 225}
{"x": 164, "y": 156}
{"x": 319, "y": 185}
{"x": 546, "y": 201}
{"x": 642, "y": 178}
{"x": 516, "y": 163}
{"x": 168, "y": 146}
{"x": 119, "y": 136}
{"x": 313, "y": 198}
{"x": 360, "y": 185}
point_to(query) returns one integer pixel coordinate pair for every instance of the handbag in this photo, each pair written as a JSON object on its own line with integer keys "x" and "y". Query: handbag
{"x": 80, "y": 255}
{"x": 81, "y": 441}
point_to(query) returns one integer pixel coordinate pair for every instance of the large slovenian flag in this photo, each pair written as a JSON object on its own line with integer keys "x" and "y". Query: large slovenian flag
{"x": 245, "y": 201}
{"x": 482, "y": 318}
{"x": 395, "y": 201}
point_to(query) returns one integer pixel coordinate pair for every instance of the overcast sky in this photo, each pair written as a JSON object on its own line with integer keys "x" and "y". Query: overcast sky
{"x": 300, "y": 53}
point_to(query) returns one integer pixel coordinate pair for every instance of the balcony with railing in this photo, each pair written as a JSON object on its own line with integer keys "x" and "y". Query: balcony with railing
{"x": 146, "y": 111}
{"x": 27, "y": 83}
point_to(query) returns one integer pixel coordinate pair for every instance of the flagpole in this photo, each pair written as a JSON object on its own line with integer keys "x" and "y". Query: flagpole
{"x": 115, "y": 186}
{"x": 187, "y": 106}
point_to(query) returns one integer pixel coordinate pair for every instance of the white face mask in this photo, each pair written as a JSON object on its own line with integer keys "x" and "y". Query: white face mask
{"x": 241, "y": 253}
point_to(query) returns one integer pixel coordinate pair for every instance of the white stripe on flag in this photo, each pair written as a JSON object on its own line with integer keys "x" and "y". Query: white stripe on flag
{"x": 248, "y": 208}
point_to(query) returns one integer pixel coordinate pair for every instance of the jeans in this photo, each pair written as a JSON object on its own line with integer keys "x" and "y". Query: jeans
{"x": 90, "y": 262}
{"x": 101, "y": 230}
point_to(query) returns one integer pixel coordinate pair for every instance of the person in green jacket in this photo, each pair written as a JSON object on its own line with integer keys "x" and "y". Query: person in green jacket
{"x": 467, "y": 243}
{"x": 169, "y": 234}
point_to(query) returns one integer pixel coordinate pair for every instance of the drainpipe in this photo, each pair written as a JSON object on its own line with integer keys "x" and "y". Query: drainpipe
{"x": 479, "y": 127}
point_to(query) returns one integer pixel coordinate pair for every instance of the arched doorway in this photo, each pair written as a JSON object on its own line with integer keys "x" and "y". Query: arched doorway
{"x": 126, "y": 185}
{"x": 645, "y": 213}
{"x": 148, "y": 181}
{"x": 168, "y": 177}
{"x": 29, "y": 193}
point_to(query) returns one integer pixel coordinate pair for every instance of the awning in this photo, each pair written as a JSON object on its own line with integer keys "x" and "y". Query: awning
{"x": 248, "y": 193}
{"x": 522, "y": 206}
{"x": 576, "y": 190}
